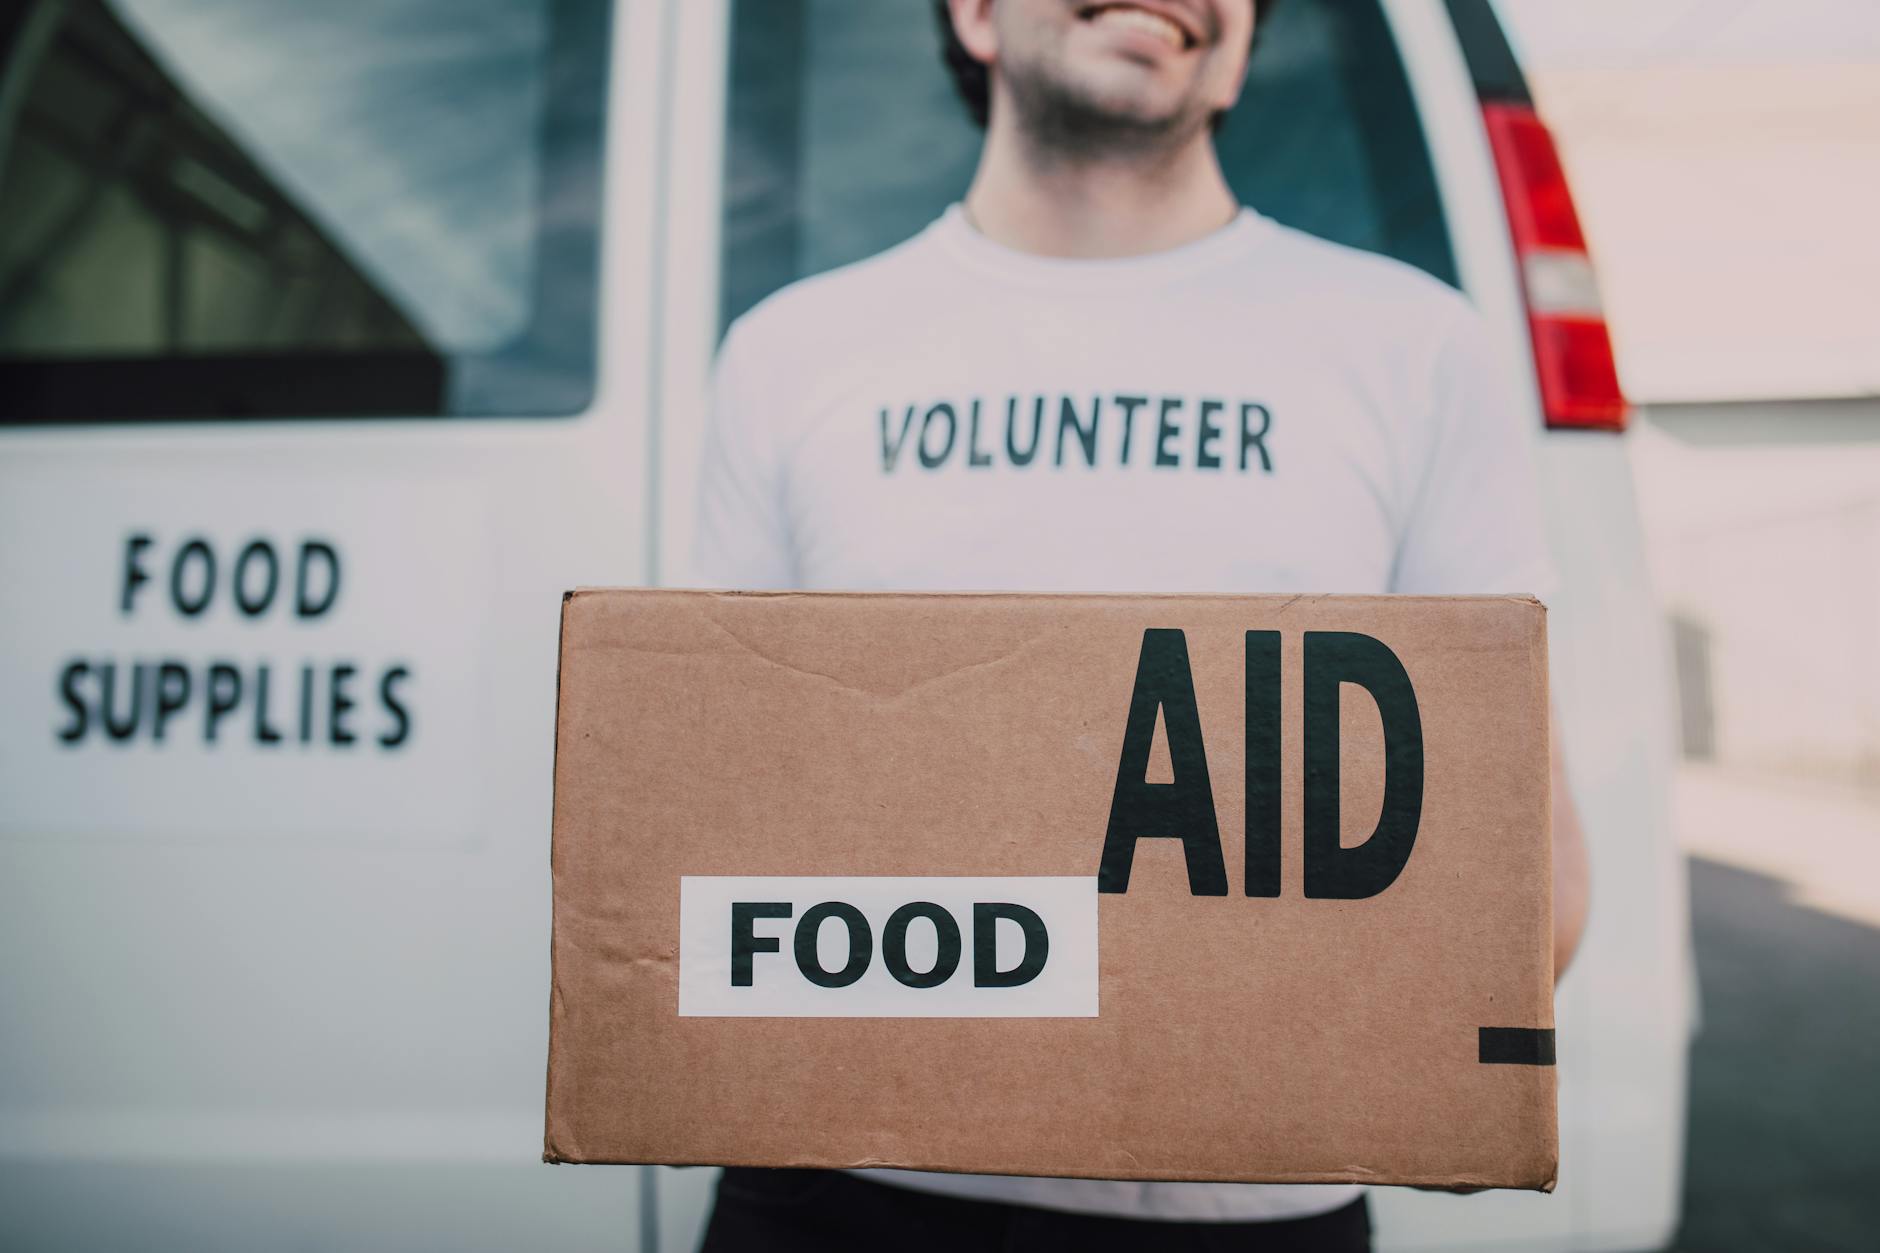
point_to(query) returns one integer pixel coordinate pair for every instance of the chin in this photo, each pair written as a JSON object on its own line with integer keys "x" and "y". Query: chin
{"x": 1081, "y": 99}
{"x": 1134, "y": 112}
{"x": 1128, "y": 103}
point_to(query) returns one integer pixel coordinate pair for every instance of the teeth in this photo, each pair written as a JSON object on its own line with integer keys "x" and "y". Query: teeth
{"x": 1146, "y": 22}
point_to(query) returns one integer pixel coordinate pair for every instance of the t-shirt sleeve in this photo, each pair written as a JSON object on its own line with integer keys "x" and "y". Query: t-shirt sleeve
{"x": 1475, "y": 524}
{"x": 742, "y": 536}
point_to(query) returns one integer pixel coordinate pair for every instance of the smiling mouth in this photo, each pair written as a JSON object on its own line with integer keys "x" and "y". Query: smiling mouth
{"x": 1129, "y": 17}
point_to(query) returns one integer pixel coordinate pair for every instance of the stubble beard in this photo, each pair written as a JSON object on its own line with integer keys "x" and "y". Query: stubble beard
{"x": 1063, "y": 125}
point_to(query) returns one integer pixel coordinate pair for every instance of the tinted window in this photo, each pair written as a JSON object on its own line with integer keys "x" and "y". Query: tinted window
{"x": 846, "y": 137}
{"x": 275, "y": 208}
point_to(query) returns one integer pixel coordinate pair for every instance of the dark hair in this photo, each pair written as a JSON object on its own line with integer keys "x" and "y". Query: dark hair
{"x": 971, "y": 79}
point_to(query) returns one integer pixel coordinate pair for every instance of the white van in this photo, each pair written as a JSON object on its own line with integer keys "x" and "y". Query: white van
{"x": 337, "y": 339}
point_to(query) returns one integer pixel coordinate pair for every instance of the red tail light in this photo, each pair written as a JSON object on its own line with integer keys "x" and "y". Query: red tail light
{"x": 1572, "y": 347}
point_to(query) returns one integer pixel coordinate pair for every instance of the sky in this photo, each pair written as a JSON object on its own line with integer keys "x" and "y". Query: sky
{"x": 1588, "y": 34}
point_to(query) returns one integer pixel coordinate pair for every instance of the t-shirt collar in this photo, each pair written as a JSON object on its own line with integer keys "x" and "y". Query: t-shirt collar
{"x": 1149, "y": 269}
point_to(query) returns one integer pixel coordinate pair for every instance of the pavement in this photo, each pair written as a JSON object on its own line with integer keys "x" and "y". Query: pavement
{"x": 1784, "y": 1139}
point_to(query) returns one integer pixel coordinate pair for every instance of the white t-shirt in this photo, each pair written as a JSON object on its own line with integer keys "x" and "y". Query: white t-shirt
{"x": 1256, "y": 411}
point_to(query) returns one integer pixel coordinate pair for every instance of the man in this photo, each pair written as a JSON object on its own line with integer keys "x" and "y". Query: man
{"x": 1098, "y": 373}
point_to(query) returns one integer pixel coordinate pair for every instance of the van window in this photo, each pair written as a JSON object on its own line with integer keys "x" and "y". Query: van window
{"x": 274, "y": 208}
{"x": 846, "y": 137}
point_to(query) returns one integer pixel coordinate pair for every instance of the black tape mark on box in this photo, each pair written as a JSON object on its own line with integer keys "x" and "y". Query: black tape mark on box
{"x": 1517, "y": 1046}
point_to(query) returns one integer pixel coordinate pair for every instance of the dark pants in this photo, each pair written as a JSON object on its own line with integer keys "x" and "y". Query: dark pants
{"x": 810, "y": 1211}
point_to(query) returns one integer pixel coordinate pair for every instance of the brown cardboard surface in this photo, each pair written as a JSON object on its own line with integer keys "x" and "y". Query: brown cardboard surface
{"x": 1276, "y": 1038}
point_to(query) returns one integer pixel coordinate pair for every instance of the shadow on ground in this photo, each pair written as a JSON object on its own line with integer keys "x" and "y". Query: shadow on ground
{"x": 1784, "y": 1142}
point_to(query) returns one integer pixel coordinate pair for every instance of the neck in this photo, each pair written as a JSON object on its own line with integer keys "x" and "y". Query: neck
{"x": 1095, "y": 205}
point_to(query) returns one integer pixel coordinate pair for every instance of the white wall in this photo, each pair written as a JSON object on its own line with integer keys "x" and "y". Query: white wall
{"x": 1764, "y": 528}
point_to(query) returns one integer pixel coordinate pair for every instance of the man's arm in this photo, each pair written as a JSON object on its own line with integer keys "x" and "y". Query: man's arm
{"x": 1476, "y": 526}
{"x": 743, "y": 539}
{"x": 1572, "y": 872}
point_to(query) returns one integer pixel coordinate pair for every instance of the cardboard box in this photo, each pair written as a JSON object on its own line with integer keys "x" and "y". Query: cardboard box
{"x": 1123, "y": 887}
